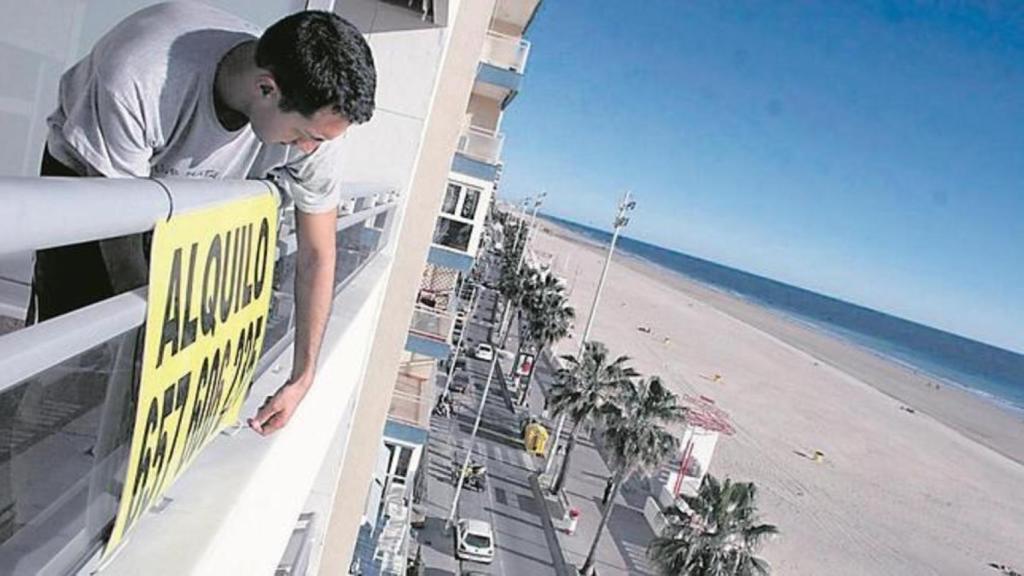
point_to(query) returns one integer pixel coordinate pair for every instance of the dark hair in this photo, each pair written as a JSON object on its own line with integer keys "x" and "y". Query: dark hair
{"x": 318, "y": 59}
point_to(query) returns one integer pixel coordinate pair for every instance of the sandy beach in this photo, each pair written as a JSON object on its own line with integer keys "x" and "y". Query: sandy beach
{"x": 937, "y": 489}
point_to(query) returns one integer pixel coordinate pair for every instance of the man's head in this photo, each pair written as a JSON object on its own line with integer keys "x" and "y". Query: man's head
{"x": 319, "y": 78}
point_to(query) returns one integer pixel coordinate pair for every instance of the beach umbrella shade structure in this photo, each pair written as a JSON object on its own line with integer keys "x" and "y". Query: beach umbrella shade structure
{"x": 637, "y": 437}
{"x": 581, "y": 390}
{"x": 718, "y": 535}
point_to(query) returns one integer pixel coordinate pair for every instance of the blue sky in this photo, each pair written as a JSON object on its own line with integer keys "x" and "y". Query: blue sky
{"x": 869, "y": 152}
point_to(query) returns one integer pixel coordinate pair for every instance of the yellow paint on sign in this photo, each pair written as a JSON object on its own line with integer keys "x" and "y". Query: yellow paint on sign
{"x": 210, "y": 281}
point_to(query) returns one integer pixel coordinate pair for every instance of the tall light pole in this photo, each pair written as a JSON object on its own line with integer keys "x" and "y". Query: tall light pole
{"x": 522, "y": 256}
{"x": 529, "y": 229}
{"x": 472, "y": 441}
{"x": 462, "y": 335}
{"x": 626, "y": 205}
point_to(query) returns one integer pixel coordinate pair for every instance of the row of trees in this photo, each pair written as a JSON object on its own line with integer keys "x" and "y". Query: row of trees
{"x": 717, "y": 532}
{"x": 542, "y": 307}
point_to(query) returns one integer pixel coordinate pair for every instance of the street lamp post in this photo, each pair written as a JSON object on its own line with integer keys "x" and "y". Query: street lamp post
{"x": 472, "y": 441}
{"x": 458, "y": 346}
{"x": 626, "y": 205}
{"x": 529, "y": 229}
{"x": 522, "y": 256}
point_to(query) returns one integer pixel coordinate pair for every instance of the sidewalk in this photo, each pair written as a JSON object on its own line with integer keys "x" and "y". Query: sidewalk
{"x": 622, "y": 549}
{"x": 508, "y": 504}
{"x": 437, "y": 547}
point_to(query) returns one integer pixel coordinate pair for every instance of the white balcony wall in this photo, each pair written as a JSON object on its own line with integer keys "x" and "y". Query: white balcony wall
{"x": 484, "y": 113}
{"x": 432, "y": 323}
{"x": 481, "y": 144}
{"x": 513, "y": 16}
{"x": 508, "y": 52}
{"x": 234, "y": 510}
{"x": 407, "y": 54}
{"x": 505, "y": 27}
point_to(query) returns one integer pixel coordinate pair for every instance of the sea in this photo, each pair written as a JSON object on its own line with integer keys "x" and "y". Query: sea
{"x": 991, "y": 372}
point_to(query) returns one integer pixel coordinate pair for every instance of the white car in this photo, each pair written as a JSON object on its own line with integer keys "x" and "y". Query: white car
{"x": 484, "y": 352}
{"x": 474, "y": 541}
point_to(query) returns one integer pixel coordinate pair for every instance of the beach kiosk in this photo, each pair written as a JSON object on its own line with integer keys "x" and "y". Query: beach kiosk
{"x": 705, "y": 423}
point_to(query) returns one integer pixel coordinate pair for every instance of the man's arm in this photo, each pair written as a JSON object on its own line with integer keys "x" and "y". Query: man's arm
{"x": 314, "y": 290}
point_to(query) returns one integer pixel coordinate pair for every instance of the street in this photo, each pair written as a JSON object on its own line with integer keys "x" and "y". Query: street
{"x": 507, "y": 502}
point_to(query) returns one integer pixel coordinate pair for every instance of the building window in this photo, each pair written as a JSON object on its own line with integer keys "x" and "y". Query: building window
{"x": 402, "y": 465}
{"x": 453, "y": 234}
{"x": 451, "y": 198}
{"x": 469, "y": 203}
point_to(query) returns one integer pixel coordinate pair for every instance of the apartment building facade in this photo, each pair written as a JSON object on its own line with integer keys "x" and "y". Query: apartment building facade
{"x": 444, "y": 297}
{"x": 292, "y": 503}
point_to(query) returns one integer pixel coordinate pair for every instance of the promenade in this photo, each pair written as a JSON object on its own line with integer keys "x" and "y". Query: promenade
{"x": 622, "y": 549}
{"x": 528, "y": 539}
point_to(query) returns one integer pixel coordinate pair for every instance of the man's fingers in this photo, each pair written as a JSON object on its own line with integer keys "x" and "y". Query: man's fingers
{"x": 266, "y": 412}
{"x": 271, "y": 417}
{"x": 277, "y": 410}
{"x": 276, "y": 422}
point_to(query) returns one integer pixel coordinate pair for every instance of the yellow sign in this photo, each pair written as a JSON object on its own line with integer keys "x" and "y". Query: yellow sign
{"x": 210, "y": 280}
{"x": 536, "y": 439}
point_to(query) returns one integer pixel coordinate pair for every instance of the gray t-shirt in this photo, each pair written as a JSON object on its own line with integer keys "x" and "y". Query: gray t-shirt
{"x": 141, "y": 104}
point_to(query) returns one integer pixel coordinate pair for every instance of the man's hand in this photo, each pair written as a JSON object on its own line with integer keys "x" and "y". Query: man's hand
{"x": 314, "y": 290}
{"x": 277, "y": 410}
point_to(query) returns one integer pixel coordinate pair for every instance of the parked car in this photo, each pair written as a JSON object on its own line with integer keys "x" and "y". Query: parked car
{"x": 474, "y": 540}
{"x": 460, "y": 363}
{"x": 484, "y": 351}
{"x": 458, "y": 326}
{"x": 459, "y": 382}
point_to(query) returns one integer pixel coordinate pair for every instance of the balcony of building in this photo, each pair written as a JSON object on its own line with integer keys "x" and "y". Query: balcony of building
{"x": 383, "y": 545}
{"x": 413, "y": 396}
{"x": 505, "y": 52}
{"x": 501, "y": 84}
{"x": 435, "y": 312}
{"x": 481, "y": 144}
{"x": 478, "y": 154}
{"x": 435, "y": 12}
{"x": 67, "y": 406}
{"x": 430, "y": 332}
{"x": 513, "y": 17}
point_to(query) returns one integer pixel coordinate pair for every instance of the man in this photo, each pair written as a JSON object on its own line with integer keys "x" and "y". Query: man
{"x": 183, "y": 89}
{"x": 608, "y": 485}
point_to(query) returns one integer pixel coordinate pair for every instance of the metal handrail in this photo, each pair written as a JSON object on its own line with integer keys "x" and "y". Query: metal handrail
{"x": 47, "y": 212}
{"x": 32, "y": 350}
{"x": 482, "y": 144}
{"x": 506, "y": 51}
{"x": 52, "y": 211}
{"x": 445, "y": 322}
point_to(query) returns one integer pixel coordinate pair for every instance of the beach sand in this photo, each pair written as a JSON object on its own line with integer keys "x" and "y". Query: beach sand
{"x": 939, "y": 490}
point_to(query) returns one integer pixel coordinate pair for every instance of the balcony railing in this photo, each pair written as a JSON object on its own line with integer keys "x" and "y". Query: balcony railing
{"x": 67, "y": 385}
{"x": 431, "y": 323}
{"x": 411, "y": 400}
{"x": 507, "y": 52}
{"x": 480, "y": 144}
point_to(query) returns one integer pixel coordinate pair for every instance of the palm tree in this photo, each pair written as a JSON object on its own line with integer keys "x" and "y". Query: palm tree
{"x": 582, "y": 388}
{"x": 542, "y": 293}
{"x": 549, "y": 317}
{"x": 637, "y": 438}
{"x": 718, "y": 536}
{"x": 514, "y": 285}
